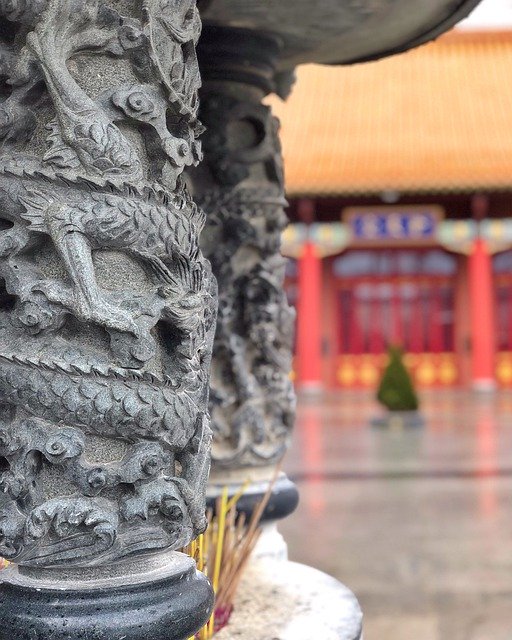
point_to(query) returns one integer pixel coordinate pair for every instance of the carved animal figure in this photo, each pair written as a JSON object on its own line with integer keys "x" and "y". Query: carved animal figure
{"x": 107, "y": 328}
{"x": 107, "y": 402}
{"x": 161, "y": 230}
{"x": 85, "y": 140}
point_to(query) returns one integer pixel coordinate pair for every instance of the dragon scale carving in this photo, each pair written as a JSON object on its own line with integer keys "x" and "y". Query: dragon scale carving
{"x": 107, "y": 305}
{"x": 252, "y": 401}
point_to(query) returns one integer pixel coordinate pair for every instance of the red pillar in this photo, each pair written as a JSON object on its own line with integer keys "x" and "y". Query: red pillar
{"x": 481, "y": 300}
{"x": 309, "y": 339}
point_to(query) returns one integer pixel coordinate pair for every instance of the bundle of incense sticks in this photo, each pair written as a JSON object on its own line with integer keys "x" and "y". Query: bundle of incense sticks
{"x": 222, "y": 553}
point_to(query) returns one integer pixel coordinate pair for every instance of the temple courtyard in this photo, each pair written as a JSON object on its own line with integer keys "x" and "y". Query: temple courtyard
{"x": 416, "y": 522}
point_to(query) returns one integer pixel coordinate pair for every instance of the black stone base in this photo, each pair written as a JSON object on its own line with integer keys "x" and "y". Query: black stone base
{"x": 167, "y": 604}
{"x": 282, "y": 502}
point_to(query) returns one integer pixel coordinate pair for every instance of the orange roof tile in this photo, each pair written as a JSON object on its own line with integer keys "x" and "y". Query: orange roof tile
{"x": 438, "y": 118}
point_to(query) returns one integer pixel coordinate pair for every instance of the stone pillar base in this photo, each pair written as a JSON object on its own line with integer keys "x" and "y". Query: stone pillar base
{"x": 271, "y": 544}
{"x": 484, "y": 385}
{"x": 155, "y": 597}
{"x": 291, "y": 601}
{"x": 283, "y": 500}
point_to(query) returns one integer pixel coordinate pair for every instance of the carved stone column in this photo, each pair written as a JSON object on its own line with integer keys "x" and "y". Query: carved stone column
{"x": 107, "y": 316}
{"x": 240, "y": 186}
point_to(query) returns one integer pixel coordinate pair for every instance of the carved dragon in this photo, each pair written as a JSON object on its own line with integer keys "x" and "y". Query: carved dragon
{"x": 252, "y": 402}
{"x": 108, "y": 307}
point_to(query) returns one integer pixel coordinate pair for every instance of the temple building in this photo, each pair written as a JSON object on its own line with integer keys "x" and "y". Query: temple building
{"x": 399, "y": 177}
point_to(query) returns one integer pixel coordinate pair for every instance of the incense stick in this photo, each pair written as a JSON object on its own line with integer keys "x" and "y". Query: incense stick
{"x": 224, "y": 550}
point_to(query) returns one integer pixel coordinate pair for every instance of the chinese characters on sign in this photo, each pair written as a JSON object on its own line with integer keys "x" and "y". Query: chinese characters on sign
{"x": 387, "y": 224}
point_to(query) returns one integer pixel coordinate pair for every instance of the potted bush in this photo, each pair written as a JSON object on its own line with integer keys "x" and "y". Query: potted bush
{"x": 397, "y": 394}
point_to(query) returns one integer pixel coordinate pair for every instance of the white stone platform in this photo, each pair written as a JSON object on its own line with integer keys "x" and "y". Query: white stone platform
{"x": 282, "y": 600}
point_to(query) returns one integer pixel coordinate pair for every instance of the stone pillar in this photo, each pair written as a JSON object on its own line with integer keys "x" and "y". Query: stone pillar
{"x": 240, "y": 187}
{"x": 106, "y": 321}
{"x": 481, "y": 298}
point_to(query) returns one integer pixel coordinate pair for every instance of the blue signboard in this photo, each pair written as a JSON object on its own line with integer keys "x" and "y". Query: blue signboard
{"x": 399, "y": 224}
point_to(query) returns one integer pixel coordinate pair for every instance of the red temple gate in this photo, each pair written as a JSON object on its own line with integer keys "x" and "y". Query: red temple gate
{"x": 402, "y": 297}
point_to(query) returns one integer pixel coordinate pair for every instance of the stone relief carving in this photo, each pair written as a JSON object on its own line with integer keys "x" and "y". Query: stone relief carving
{"x": 107, "y": 305}
{"x": 251, "y": 399}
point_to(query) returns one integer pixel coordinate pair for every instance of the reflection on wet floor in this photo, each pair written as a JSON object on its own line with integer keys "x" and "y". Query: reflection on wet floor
{"x": 418, "y": 522}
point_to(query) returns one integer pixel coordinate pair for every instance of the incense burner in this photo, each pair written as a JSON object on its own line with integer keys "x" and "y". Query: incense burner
{"x": 108, "y": 303}
{"x": 247, "y": 51}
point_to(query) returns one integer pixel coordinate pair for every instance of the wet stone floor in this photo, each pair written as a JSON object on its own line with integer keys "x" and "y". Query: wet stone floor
{"x": 417, "y": 522}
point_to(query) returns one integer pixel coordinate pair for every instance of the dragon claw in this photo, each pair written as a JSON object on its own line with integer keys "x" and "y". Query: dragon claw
{"x": 113, "y": 318}
{"x": 98, "y": 311}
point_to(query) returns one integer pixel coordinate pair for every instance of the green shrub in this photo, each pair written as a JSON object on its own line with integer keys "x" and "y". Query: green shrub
{"x": 396, "y": 390}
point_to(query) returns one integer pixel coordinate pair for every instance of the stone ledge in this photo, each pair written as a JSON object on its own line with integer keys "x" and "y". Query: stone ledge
{"x": 281, "y": 600}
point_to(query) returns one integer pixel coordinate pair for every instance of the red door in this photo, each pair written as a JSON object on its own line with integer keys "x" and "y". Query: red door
{"x": 502, "y": 266}
{"x": 394, "y": 296}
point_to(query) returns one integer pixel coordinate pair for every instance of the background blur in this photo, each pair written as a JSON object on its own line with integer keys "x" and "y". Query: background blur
{"x": 399, "y": 177}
